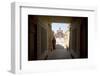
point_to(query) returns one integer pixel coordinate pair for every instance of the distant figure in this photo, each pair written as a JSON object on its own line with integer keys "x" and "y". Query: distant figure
{"x": 54, "y": 43}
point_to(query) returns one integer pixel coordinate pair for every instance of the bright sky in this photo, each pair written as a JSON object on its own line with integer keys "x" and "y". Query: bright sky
{"x": 63, "y": 26}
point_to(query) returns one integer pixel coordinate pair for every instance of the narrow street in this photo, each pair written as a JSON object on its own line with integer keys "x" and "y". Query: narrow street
{"x": 57, "y": 37}
{"x": 60, "y": 52}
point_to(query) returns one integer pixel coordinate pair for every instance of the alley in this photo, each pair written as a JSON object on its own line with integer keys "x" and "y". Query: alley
{"x": 60, "y": 52}
{"x": 57, "y": 37}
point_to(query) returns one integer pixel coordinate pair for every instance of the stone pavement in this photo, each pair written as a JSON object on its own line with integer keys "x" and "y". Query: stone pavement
{"x": 60, "y": 53}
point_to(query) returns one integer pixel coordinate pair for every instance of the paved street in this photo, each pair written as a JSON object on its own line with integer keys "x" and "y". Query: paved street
{"x": 60, "y": 52}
